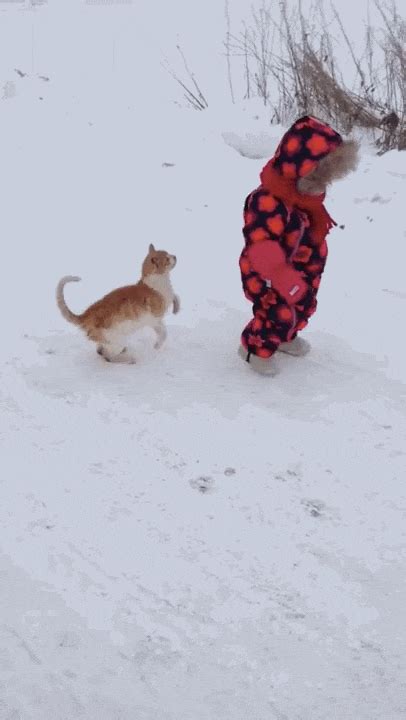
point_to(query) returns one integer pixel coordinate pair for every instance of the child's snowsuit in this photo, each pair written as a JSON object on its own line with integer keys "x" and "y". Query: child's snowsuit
{"x": 285, "y": 240}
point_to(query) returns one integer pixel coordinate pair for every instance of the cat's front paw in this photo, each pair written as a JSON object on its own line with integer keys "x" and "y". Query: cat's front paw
{"x": 176, "y": 304}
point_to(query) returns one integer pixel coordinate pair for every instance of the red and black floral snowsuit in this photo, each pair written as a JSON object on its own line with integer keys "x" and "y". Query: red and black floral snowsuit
{"x": 285, "y": 247}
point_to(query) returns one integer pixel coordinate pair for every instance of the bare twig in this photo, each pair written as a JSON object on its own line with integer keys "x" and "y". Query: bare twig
{"x": 192, "y": 93}
{"x": 192, "y": 77}
{"x": 227, "y": 45}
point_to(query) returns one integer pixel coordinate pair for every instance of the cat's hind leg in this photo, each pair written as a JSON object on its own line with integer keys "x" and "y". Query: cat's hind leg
{"x": 161, "y": 334}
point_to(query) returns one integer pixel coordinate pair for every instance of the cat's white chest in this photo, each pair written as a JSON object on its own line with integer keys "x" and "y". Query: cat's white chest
{"x": 162, "y": 285}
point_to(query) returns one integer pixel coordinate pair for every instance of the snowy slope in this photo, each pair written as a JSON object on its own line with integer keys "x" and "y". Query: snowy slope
{"x": 181, "y": 539}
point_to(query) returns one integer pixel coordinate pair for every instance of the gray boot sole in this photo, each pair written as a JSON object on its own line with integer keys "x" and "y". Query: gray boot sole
{"x": 296, "y": 348}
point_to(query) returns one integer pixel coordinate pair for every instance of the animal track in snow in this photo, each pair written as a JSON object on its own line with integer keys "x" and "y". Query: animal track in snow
{"x": 316, "y": 508}
{"x": 203, "y": 484}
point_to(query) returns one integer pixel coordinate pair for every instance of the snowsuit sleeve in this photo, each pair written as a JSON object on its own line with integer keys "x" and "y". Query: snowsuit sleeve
{"x": 265, "y": 218}
{"x": 264, "y": 262}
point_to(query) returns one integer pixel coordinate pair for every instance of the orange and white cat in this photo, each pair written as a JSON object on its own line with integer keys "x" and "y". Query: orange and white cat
{"x": 110, "y": 321}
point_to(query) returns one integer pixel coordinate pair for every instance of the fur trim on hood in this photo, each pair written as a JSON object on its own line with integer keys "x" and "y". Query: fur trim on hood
{"x": 303, "y": 146}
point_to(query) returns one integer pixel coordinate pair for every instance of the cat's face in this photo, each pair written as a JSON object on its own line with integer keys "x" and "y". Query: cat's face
{"x": 158, "y": 262}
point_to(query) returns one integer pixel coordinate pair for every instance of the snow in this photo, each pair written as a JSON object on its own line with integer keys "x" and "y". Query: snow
{"x": 183, "y": 539}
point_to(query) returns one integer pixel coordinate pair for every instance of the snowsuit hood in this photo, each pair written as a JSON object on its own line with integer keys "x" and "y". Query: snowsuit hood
{"x": 303, "y": 146}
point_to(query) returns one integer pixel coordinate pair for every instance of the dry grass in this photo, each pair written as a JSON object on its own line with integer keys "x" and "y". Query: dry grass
{"x": 291, "y": 65}
{"x": 192, "y": 91}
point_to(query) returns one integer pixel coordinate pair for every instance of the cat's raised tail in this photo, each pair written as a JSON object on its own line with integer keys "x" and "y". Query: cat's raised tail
{"x": 60, "y": 299}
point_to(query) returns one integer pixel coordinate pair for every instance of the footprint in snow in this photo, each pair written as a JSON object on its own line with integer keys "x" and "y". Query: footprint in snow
{"x": 316, "y": 508}
{"x": 379, "y": 199}
{"x": 203, "y": 485}
{"x": 69, "y": 640}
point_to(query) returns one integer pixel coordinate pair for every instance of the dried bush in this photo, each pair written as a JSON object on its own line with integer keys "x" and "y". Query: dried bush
{"x": 291, "y": 65}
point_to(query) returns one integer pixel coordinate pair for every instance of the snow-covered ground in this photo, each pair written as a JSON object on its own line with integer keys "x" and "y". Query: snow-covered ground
{"x": 182, "y": 539}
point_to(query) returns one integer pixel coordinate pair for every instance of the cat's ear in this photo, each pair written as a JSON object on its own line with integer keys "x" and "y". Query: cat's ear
{"x": 151, "y": 249}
